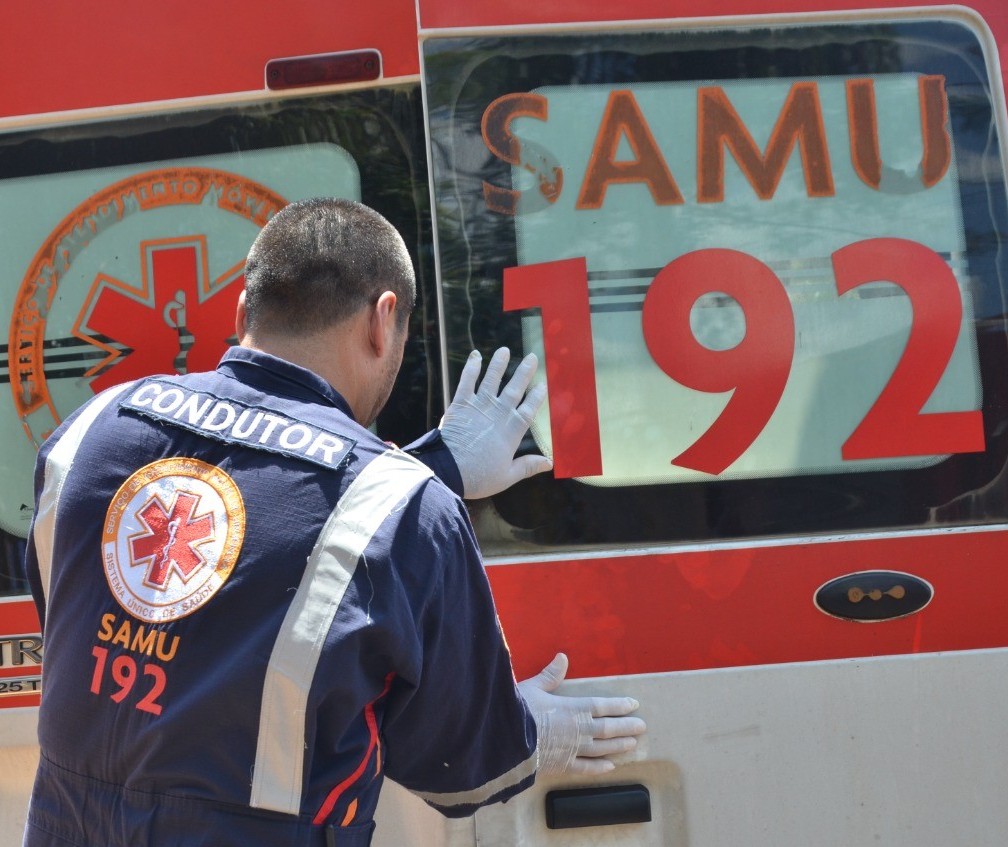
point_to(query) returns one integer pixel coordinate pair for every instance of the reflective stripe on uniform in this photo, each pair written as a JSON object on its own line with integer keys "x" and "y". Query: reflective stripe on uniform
{"x": 480, "y": 795}
{"x": 57, "y": 467}
{"x": 360, "y": 512}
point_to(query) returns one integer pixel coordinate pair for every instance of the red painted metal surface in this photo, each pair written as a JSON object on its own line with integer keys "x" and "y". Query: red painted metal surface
{"x": 749, "y": 606}
{"x": 57, "y": 56}
{"x": 719, "y": 608}
{"x": 60, "y": 54}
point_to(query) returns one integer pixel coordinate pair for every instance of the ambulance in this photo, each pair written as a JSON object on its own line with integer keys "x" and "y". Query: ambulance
{"x": 759, "y": 247}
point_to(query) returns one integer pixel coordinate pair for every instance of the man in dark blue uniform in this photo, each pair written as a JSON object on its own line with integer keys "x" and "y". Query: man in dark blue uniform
{"x": 254, "y": 609}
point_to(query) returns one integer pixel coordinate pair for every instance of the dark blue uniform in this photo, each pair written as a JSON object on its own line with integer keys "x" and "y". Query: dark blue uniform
{"x": 253, "y": 611}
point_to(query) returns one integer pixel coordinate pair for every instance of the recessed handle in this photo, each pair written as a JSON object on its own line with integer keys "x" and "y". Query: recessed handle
{"x": 597, "y": 806}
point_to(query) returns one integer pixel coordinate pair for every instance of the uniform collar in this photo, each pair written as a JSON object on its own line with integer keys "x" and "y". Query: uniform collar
{"x": 271, "y": 374}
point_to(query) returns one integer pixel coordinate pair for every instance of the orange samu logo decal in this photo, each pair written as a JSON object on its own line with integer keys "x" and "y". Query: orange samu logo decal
{"x": 172, "y": 317}
{"x": 172, "y": 536}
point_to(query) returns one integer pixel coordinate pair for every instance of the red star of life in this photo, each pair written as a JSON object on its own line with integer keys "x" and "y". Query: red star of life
{"x": 176, "y": 299}
{"x": 173, "y": 539}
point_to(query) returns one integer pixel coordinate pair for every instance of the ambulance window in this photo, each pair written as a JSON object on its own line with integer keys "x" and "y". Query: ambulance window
{"x": 12, "y": 574}
{"x": 124, "y": 243}
{"x": 762, "y": 266}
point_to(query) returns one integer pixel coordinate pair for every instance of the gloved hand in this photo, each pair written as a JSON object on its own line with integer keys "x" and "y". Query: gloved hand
{"x": 483, "y": 430}
{"x": 577, "y": 734}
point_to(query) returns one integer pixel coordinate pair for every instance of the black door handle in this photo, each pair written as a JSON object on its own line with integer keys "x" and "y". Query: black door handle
{"x": 597, "y": 806}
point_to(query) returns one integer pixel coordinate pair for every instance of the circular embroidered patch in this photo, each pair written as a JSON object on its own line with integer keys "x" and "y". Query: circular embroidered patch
{"x": 172, "y": 536}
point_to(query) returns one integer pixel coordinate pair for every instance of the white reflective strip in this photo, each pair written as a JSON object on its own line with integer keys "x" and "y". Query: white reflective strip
{"x": 507, "y": 780}
{"x": 58, "y": 464}
{"x": 363, "y": 508}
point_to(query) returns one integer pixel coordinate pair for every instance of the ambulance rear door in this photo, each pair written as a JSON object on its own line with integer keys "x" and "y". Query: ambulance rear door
{"x": 761, "y": 260}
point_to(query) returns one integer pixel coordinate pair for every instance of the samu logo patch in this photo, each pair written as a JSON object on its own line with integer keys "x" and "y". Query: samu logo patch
{"x": 172, "y": 536}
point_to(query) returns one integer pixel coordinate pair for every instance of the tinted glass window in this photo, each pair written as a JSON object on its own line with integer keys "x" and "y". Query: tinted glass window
{"x": 763, "y": 268}
{"x": 124, "y": 244}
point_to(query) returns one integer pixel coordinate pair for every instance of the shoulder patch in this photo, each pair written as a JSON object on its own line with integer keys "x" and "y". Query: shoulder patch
{"x": 233, "y": 422}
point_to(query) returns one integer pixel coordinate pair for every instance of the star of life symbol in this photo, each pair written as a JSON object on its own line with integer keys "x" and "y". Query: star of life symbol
{"x": 172, "y": 540}
{"x": 175, "y": 315}
{"x": 177, "y": 319}
{"x": 172, "y": 535}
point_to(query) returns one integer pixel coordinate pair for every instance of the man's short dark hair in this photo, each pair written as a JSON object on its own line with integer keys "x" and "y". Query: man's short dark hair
{"x": 319, "y": 261}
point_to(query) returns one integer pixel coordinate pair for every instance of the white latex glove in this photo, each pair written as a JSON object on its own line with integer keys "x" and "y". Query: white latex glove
{"x": 483, "y": 430}
{"x": 577, "y": 734}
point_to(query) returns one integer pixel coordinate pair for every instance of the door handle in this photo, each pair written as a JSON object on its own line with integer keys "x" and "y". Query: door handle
{"x": 597, "y": 806}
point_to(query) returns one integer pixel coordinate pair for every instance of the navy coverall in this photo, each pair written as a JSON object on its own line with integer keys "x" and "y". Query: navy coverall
{"x": 254, "y": 610}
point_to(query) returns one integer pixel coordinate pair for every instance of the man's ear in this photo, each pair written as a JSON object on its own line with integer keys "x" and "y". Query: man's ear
{"x": 382, "y": 327}
{"x": 240, "y": 317}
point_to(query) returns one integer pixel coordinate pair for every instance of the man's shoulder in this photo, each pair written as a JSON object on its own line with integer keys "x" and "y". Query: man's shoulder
{"x": 388, "y": 465}
{"x": 388, "y": 480}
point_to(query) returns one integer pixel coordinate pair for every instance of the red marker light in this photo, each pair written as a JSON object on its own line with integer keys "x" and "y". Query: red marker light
{"x": 323, "y": 69}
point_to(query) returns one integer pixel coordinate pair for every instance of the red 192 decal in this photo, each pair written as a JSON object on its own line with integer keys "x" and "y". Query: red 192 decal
{"x": 560, "y": 290}
{"x": 895, "y": 425}
{"x": 756, "y": 370}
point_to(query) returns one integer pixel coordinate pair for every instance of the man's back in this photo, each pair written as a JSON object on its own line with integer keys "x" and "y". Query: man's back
{"x": 233, "y": 656}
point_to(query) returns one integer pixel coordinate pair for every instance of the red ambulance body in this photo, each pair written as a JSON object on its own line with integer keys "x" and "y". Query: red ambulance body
{"x": 759, "y": 250}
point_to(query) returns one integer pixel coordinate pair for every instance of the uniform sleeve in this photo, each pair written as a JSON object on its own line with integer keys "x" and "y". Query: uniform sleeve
{"x": 462, "y": 736}
{"x": 433, "y": 452}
